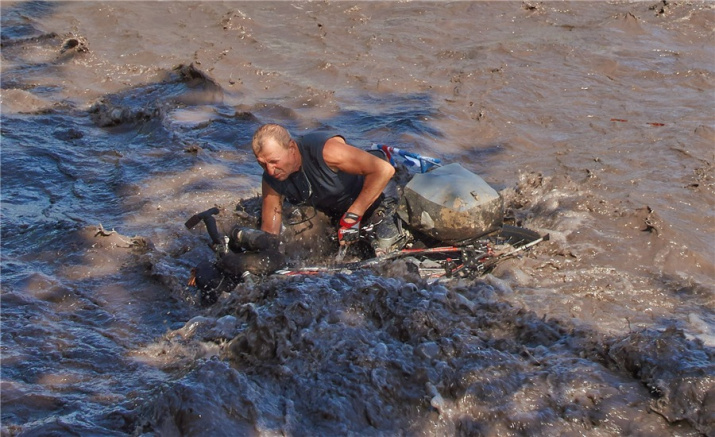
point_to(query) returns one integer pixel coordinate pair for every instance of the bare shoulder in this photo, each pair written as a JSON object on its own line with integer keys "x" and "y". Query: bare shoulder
{"x": 339, "y": 155}
{"x": 336, "y": 139}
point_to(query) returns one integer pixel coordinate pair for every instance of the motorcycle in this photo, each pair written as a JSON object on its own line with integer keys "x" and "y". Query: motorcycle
{"x": 450, "y": 223}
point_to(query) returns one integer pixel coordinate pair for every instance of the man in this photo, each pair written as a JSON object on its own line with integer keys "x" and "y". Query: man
{"x": 323, "y": 171}
{"x": 319, "y": 170}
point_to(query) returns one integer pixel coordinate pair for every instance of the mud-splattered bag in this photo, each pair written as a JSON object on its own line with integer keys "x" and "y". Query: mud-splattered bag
{"x": 451, "y": 204}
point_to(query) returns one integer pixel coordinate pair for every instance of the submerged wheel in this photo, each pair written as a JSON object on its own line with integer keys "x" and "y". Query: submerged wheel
{"x": 517, "y": 236}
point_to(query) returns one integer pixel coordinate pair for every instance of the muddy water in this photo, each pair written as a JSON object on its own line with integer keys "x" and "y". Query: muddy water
{"x": 594, "y": 120}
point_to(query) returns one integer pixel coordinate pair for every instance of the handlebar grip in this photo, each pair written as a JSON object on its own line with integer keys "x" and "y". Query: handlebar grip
{"x": 196, "y": 218}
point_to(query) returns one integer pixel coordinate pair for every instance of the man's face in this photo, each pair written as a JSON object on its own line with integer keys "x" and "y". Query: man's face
{"x": 278, "y": 161}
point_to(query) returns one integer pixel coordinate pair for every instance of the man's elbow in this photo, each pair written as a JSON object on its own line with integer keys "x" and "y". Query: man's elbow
{"x": 387, "y": 170}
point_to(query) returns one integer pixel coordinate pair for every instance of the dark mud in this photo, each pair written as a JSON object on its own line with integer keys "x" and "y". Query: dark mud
{"x": 367, "y": 354}
{"x": 120, "y": 120}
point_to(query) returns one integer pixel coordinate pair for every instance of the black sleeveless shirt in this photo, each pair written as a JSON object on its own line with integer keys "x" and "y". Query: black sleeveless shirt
{"x": 315, "y": 184}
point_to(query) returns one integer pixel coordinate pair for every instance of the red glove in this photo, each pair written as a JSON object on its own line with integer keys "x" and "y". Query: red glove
{"x": 349, "y": 230}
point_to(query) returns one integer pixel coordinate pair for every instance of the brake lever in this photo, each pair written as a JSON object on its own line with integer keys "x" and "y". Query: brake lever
{"x": 341, "y": 253}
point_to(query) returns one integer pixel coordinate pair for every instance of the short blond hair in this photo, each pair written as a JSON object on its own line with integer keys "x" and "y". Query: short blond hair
{"x": 270, "y": 131}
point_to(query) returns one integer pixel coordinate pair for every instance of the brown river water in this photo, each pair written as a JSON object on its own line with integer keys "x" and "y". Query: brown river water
{"x": 594, "y": 120}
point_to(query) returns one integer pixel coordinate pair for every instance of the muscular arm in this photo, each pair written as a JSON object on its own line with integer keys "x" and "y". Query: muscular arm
{"x": 271, "y": 210}
{"x": 339, "y": 155}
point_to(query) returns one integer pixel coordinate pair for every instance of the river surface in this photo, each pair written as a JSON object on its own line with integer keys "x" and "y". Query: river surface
{"x": 594, "y": 120}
